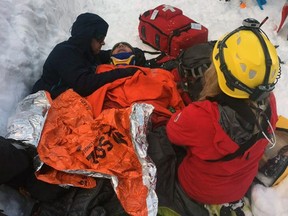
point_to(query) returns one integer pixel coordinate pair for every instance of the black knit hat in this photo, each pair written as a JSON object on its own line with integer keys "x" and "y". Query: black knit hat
{"x": 124, "y": 43}
{"x": 89, "y": 25}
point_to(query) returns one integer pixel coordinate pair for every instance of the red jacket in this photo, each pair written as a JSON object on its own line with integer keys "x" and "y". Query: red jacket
{"x": 197, "y": 128}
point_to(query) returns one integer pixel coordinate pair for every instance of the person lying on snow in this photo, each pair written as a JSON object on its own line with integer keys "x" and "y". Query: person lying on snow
{"x": 226, "y": 132}
{"x": 51, "y": 193}
{"x": 122, "y": 53}
{"x": 154, "y": 86}
{"x": 72, "y": 63}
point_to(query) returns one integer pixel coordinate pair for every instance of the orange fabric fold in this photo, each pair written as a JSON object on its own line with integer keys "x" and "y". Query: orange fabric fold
{"x": 152, "y": 86}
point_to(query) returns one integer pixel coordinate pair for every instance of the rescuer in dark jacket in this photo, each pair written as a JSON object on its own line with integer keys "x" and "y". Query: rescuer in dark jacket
{"x": 72, "y": 63}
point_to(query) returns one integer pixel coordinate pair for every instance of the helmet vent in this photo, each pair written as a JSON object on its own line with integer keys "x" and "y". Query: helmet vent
{"x": 252, "y": 74}
{"x": 273, "y": 73}
{"x": 238, "y": 40}
{"x": 237, "y": 56}
{"x": 243, "y": 67}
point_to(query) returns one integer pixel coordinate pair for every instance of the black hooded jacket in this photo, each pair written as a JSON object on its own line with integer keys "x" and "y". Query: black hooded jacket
{"x": 71, "y": 64}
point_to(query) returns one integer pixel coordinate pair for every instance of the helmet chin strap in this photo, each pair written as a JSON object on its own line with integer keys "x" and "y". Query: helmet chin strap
{"x": 271, "y": 138}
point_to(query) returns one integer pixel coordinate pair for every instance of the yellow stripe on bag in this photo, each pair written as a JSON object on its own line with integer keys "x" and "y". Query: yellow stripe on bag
{"x": 282, "y": 137}
{"x": 282, "y": 123}
{"x": 281, "y": 177}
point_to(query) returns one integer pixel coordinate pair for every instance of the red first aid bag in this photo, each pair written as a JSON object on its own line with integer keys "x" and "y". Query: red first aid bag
{"x": 165, "y": 28}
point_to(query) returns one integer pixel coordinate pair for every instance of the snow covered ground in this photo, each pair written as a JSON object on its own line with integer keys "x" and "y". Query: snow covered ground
{"x": 29, "y": 29}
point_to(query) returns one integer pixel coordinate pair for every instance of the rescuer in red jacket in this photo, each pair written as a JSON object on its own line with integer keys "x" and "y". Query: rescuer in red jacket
{"x": 226, "y": 132}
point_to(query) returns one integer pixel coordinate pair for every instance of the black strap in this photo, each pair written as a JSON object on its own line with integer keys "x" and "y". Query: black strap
{"x": 153, "y": 53}
{"x": 154, "y": 62}
{"x": 240, "y": 151}
{"x": 245, "y": 111}
{"x": 238, "y": 105}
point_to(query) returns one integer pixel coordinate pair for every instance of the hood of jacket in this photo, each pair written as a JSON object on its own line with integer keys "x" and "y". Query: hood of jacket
{"x": 239, "y": 130}
{"x": 86, "y": 27}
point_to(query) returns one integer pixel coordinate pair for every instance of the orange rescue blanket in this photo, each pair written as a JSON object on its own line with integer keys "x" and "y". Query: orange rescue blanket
{"x": 74, "y": 146}
{"x": 153, "y": 86}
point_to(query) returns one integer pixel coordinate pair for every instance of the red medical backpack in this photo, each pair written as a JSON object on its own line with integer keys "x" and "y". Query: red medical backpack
{"x": 165, "y": 28}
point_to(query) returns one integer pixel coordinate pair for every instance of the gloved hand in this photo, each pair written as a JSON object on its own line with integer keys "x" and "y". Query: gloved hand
{"x": 123, "y": 72}
{"x": 140, "y": 59}
{"x": 128, "y": 70}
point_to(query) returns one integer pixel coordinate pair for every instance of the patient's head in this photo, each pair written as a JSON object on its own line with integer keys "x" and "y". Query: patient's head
{"x": 122, "y": 53}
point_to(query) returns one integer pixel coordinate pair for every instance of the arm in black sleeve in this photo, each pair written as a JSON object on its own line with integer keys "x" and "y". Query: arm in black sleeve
{"x": 87, "y": 83}
{"x": 103, "y": 57}
{"x": 78, "y": 74}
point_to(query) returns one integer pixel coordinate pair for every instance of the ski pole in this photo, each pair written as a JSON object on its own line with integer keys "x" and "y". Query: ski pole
{"x": 266, "y": 18}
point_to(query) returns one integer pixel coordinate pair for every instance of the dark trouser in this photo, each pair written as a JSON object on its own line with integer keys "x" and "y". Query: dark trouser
{"x": 167, "y": 159}
{"x": 16, "y": 170}
{"x": 12, "y": 162}
{"x": 100, "y": 200}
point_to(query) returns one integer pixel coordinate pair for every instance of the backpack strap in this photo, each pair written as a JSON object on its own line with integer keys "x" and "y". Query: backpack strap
{"x": 152, "y": 63}
{"x": 245, "y": 111}
{"x": 240, "y": 151}
{"x": 161, "y": 61}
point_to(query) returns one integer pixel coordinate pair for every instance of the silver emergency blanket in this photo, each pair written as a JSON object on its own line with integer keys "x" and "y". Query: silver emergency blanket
{"x": 28, "y": 120}
{"x": 139, "y": 120}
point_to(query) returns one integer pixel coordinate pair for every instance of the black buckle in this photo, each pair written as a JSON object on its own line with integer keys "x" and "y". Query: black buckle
{"x": 196, "y": 72}
{"x": 261, "y": 92}
{"x": 250, "y": 22}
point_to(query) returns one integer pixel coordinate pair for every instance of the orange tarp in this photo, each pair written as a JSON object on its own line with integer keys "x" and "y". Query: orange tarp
{"x": 152, "y": 86}
{"x": 73, "y": 141}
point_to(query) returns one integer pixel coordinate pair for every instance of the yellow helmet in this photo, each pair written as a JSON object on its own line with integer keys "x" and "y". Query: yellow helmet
{"x": 246, "y": 62}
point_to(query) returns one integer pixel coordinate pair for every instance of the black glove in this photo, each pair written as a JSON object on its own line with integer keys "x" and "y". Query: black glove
{"x": 140, "y": 59}
{"x": 129, "y": 71}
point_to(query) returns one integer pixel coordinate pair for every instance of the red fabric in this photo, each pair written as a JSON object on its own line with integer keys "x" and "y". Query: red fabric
{"x": 178, "y": 79}
{"x": 157, "y": 27}
{"x": 197, "y": 128}
{"x": 284, "y": 15}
